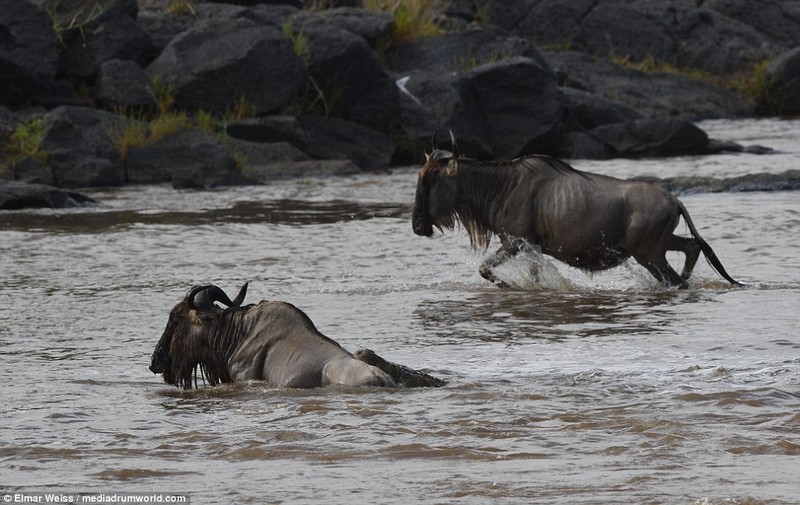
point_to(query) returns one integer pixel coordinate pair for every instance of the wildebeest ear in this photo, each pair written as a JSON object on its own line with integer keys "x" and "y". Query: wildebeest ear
{"x": 452, "y": 167}
{"x": 427, "y": 156}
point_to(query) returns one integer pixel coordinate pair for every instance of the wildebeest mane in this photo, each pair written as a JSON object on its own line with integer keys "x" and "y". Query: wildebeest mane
{"x": 486, "y": 181}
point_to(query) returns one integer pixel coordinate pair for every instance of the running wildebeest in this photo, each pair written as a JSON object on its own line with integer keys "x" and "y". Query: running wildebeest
{"x": 270, "y": 341}
{"x": 589, "y": 221}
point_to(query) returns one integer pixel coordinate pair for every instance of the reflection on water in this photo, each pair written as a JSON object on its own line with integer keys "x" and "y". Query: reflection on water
{"x": 291, "y": 212}
{"x": 579, "y": 390}
{"x": 511, "y": 315}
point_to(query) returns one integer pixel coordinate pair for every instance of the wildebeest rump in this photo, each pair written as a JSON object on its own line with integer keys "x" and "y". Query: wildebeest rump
{"x": 270, "y": 341}
{"x": 589, "y": 221}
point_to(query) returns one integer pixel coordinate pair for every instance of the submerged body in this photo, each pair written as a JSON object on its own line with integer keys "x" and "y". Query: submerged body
{"x": 269, "y": 341}
{"x": 589, "y": 221}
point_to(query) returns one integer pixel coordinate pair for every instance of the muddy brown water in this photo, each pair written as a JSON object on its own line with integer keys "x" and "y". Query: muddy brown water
{"x": 572, "y": 389}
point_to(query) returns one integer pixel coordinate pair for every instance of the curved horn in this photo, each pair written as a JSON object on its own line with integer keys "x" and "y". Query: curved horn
{"x": 240, "y": 297}
{"x": 216, "y": 294}
{"x": 433, "y": 142}
{"x": 455, "y": 144}
{"x": 202, "y": 297}
{"x": 202, "y": 302}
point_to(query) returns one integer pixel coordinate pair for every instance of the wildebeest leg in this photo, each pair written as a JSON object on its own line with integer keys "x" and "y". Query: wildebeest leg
{"x": 401, "y": 374}
{"x": 662, "y": 271}
{"x": 510, "y": 247}
{"x": 690, "y": 248}
{"x": 349, "y": 371}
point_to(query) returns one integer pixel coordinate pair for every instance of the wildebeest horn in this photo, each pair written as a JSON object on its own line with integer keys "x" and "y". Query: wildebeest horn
{"x": 434, "y": 144}
{"x": 240, "y": 297}
{"x": 455, "y": 145}
{"x": 202, "y": 297}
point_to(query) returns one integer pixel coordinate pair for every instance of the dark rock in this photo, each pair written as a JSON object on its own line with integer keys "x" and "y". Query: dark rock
{"x": 684, "y": 34}
{"x": 788, "y": 180}
{"x": 373, "y": 26}
{"x": 123, "y": 84}
{"x": 548, "y": 23}
{"x": 427, "y": 102}
{"x": 81, "y": 152}
{"x": 162, "y": 27}
{"x": 28, "y": 51}
{"x": 297, "y": 4}
{"x": 254, "y": 154}
{"x": 21, "y": 195}
{"x": 269, "y": 129}
{"x": 512, "y": 105}
{"x": 579, "y": 145}
{"x": 587, "y": 110}
{"x": 460, "y": 52}
{"x": 90, "y": 172}
{"x": 783, "y": 83}
{"x": 62, "y": 92}
{"x": 347, "y": 71}
{"x": 96, "y": 32}
{"x": 33, "y": 171}
{"x": 650, "y": 94}
{"x": 8, "y": 123}
{"x": 777, "y": 19}
{"x": 187, "y": 159}
{"x": 336, "y": 138}
{"x": 217, "y": 63}
{"x": 653, "y": 137}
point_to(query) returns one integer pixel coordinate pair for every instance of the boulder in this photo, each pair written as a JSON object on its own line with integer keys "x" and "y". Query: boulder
{"x": 8, "y": 123}
{"x": 187, "y": 159}
{"x": 122, "y": 84}
{"x": 32, "y": 171}
{"x": 587, "y": 110}
{"x": 81, "y": 152}
{"x": 255, "y": 154}
{"x": 162, "y": 27}
{"x": 512, "y": 106}
{"x": 338, "y": 139}
{"x": 777, "y": 19}
{"x": 28, "y": 51}
{"x": 782, "y": 83}
{"x": 269, "y": 129}
{"x": 348, "y": 79}
{"x": 497, "y": 110}
{"x": 219, "y": 62}
{"x": 683, "y": 34}
{"x": 460, "y": 52}
{"x": 427, "y": 100}
{"x": 21, "y": 195}
{"x": 373, "y": 26}
{"x": 92, "y": 33}
{"x": 653, "y": 137}
{"x": 649, "y": 93}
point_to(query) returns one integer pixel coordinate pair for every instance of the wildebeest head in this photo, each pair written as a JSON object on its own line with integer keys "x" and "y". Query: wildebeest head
{"x": 436, "y": 190}
{"x": 185, "y": 344}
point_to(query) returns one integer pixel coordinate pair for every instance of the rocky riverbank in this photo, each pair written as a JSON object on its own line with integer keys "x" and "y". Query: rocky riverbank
{"x": 204, "y": 94}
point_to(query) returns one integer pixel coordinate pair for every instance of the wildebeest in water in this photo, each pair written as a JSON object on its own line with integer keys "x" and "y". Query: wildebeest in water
{"x": 589, "y": 221}
{"x": 270, "y": 341}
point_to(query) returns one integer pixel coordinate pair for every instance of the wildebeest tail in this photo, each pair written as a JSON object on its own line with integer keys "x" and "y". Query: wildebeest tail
{"x": 709, "y": 254}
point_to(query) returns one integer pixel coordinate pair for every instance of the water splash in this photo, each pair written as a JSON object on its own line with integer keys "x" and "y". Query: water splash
{"x": 529, "y": 269}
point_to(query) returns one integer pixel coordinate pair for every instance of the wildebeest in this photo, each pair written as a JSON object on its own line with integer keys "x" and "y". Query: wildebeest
{"x": 589, "y": 221}
{"x": 271, "y": 341}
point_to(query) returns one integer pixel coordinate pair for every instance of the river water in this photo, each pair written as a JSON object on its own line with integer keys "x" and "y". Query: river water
{"x": 571, "y": 390}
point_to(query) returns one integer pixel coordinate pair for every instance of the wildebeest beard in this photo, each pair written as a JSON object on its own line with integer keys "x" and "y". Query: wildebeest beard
{"x": 181, "y": 355}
